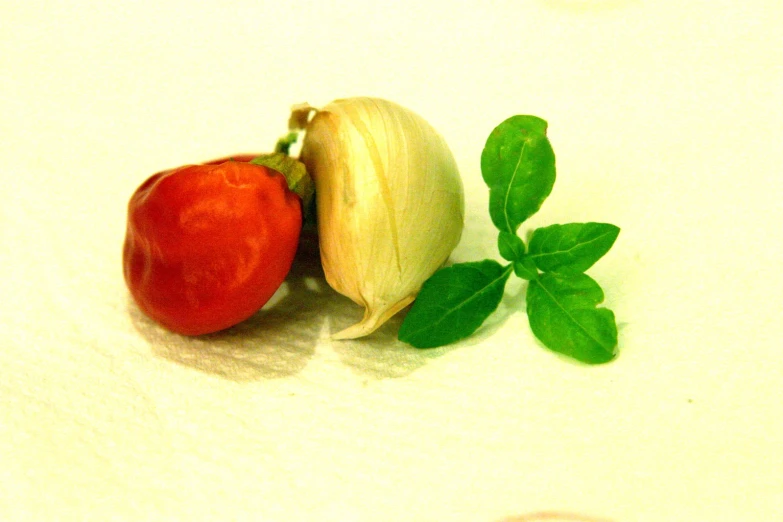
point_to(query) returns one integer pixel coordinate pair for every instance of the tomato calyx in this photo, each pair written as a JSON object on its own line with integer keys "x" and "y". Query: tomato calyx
{"x": 294, "y": 171}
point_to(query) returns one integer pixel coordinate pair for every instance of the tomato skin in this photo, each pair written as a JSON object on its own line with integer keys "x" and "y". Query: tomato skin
{"x": 244, "y": 158}
{"x": 208, "y": 245}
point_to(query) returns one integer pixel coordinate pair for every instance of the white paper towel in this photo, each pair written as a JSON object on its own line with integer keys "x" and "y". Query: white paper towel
{"x": 665, "y": 118}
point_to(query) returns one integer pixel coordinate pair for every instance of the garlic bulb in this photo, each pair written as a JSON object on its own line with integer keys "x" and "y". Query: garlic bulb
{"x": 389, "y": 200}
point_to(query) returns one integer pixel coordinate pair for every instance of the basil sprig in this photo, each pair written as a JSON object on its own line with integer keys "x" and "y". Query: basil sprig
{"x": 518, "y": 166}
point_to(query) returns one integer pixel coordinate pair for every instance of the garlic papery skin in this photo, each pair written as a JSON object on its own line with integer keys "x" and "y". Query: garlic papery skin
{"x": 389, "y": 201}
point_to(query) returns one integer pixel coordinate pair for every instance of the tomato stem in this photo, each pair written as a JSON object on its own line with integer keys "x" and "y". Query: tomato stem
{"x": 299, "y": 181}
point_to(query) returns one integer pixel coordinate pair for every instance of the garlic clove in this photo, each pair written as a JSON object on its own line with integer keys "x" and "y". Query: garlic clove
{"x": 389, "y": 201}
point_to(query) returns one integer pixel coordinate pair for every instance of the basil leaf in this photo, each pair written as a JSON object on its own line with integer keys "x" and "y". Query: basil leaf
{"x": 518, "y": 165}
{"x": 563, "y": 315}
{"x": 511, "y": 246}
{"x": 526, "y": 269}
{"x": 571, "y": 248}
{"x": 453, "y": 303}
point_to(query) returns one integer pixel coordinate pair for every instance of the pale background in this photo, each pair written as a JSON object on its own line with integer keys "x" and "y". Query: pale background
{"x": 666, "y": 119}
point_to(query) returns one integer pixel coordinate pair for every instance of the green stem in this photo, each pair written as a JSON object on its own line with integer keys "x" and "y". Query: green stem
{"x": 299, "y": 181}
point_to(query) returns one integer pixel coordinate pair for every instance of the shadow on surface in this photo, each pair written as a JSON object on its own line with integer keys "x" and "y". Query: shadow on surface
{"x": 275, "y": 342}
{"x": 381, "y": 355}
{"x": 280, "y": 339}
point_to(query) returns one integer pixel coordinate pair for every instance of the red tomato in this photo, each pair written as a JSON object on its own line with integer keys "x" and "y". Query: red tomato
{"x": 208, "y": 245}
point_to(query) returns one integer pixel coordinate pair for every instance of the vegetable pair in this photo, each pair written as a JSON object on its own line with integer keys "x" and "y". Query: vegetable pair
{"x": 208, "y": 245}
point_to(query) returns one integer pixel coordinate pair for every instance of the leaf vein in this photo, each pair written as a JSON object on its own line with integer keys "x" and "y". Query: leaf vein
{"x": 568, "y": 314}
{"x": 510, "y": 185}
{"x": 568, "y": 250}
{"x": 451, "y": 310}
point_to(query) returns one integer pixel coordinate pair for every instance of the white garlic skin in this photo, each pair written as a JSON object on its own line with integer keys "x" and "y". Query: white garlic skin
{"x": 390, "y": 203}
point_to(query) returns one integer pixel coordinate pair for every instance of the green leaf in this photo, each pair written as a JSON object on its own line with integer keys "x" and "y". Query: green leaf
{"x": 285, "y": 143}
{"x": 454, "y": 302}
{"x": 563, "y": 315}
{"x": 511, "y": 247}
{"x": 526, "y": 269}
{"x": 571, "y": 248}
{"x": 518, "y": 165}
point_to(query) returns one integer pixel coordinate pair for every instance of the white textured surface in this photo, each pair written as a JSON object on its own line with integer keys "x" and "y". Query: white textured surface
{"x": 666, "y": 118}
